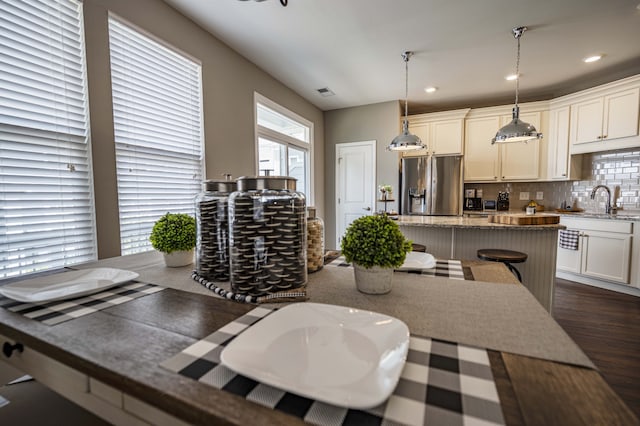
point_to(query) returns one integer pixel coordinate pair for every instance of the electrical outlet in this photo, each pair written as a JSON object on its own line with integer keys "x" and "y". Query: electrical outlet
{"x": 524, "y": 195}
{"x": 539, "y": 195}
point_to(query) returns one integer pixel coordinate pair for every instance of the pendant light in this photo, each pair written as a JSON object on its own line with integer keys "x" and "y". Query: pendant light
{"x": 517, "y": 130}
{"x": 405, "y": 141}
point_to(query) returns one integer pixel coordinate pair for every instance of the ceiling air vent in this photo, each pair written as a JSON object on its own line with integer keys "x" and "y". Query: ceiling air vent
{"x": 325, "y": 91}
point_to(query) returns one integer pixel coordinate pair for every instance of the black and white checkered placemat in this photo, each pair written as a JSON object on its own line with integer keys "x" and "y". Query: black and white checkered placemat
{"x": 52, "y": 313}
{"x": 444, "y": 268}
{"x": 441, "y": 383}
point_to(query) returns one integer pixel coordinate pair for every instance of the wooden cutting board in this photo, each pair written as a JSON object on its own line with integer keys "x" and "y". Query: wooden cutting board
{"x": 523, "y": 219}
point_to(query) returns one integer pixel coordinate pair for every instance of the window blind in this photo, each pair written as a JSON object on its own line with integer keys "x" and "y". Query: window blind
{"x": 157, "y": 122}
{"x": 46, "y": 196}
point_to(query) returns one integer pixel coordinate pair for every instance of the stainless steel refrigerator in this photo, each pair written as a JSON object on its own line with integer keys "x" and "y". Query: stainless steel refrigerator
{"x": 431, "y": 185}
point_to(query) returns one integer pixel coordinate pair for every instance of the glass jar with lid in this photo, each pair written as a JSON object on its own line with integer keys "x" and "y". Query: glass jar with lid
{"x": 212, "y": 222}
{"x": 267, "y": 235}
{"x": 315, "y": 241}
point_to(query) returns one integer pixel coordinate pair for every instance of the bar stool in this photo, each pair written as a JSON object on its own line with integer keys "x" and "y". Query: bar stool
{"x": 418, "y": 247}
{"x": 505, "y": 256}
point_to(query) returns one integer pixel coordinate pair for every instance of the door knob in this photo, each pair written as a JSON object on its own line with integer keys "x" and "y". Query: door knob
{"x": 366, "y": 208}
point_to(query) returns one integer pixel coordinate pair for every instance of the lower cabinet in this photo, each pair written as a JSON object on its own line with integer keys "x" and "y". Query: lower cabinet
{"x": 102, "y": 400}
{"x": 604, "y": 249}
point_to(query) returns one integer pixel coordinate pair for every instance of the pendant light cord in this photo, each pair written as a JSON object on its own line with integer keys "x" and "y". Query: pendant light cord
{"x": 518, "y": 70}
{"x": 406, "y": 85}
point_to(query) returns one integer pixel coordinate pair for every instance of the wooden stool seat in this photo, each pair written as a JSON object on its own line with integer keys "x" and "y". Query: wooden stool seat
{"x": 505, "y": 256}
{"x": 418, "y": 247}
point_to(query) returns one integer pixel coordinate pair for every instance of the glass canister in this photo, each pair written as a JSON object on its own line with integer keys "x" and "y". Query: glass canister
{"x": 267, "y": 235}
{"x": 315, "y": 241}
{"x": 212, "y": 222}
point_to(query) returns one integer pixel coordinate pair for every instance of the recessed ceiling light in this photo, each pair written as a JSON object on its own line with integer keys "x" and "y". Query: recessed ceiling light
{"x": 430, "y": 89}
{"x": 511, "y": 77}
{"x": 593, "y": 58}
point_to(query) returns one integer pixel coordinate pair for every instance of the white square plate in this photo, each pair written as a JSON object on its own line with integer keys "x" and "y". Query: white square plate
{"x": 418, "y": 260}
{"x": 66, "y": 285}
{"x": 342, "y": 356}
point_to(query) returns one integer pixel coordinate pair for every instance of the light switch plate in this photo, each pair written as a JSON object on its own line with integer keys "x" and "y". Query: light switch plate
{"x": 539, "y": 195}
{"x": 524, "y": 195}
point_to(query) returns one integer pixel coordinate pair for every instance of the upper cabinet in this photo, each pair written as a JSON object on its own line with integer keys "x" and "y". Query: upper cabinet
{"x": 561, "y": 165}
{"x": 605, "y": 117}
{"x": 484, "y": 162}
{"x": 442, "y": 132}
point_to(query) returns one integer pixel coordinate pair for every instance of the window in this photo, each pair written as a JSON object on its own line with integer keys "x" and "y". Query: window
{"x": 158, "y": 136}
{"x": 284, "y": 144}
{"x": 46, "y": 197}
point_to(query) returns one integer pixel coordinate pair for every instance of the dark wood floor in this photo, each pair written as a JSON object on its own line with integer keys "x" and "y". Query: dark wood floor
{"x": 606, "y": 325}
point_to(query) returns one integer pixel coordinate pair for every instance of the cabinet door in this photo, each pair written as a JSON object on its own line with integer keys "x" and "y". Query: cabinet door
{"x": 421, "y": 130}
{"x": 481, "y": 159}
{"x": 558, "y": 158}
{"x": 621, "y": 114}
{"x": 521, "y": 160}
{"x": 586, "y": 121}
{"x": 446, "y": 137}
{"x": 569, "y": 260}
{"x": 606, "y": 255}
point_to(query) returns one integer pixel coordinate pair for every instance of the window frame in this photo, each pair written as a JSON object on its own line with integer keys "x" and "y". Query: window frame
{"x": 286, "y": 140}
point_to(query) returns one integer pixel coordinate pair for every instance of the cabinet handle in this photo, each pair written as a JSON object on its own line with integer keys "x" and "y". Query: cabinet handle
{"x": 599, "y": 137}
{"x": 564, "y": 175}
{"x": 604, "y": 136}
{"x": 8, "y": 348}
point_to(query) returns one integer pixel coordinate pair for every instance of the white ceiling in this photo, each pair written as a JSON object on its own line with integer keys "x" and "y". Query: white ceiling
{"x": 463, "y": 47}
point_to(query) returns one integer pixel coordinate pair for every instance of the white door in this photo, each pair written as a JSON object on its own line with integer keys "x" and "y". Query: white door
{"x": 355, "y": 183}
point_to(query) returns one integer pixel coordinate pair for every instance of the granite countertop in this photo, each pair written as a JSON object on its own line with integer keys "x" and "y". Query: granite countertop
{"x": 632, "y": 215}
{"x": 480, "y": 222}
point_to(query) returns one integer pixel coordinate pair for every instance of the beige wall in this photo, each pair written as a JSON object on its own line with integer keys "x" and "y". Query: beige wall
{"x": 379, "y": 122}
{"x": 229, "y": 82}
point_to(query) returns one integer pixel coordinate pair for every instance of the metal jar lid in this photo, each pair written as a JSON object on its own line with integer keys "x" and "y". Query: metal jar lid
{"x": 247, "y": 183}
{"x": 227, "y": 186}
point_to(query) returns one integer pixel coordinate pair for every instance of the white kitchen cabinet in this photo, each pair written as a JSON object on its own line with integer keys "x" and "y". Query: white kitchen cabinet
{"x": 561, "y": 165}
{"x": 481, "y": 159}
{"x": 605, "y": 117}
{"x": 484, "y": 162}
{"x": 604, "y": 249}
{"x": 442, "y": 132}
{"x": 521, "y": 160}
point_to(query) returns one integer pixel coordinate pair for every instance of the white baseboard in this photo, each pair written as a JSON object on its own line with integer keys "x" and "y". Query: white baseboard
{"x": 620, "y": 288}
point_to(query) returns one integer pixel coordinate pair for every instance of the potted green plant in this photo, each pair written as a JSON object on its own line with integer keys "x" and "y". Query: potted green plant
{"x": 174, "y": 234}
{"x": 375, "y": 246}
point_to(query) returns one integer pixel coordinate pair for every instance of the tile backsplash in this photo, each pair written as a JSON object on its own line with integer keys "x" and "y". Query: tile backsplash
{"x": 618, "y": 170}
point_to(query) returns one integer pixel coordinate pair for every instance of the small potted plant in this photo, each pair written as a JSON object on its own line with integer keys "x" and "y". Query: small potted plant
{"x": 375, "y": 246}
{"x": 174, "y": 234}
{"x": 385, "y": 191}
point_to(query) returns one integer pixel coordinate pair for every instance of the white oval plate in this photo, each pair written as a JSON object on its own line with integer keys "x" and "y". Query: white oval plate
{"x": 342, "y": 356}
{"x": 418, "y": 260}
{"x": 66, "y": 285}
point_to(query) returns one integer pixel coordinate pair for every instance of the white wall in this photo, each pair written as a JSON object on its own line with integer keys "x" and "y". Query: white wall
{"x": 229, "y": 81}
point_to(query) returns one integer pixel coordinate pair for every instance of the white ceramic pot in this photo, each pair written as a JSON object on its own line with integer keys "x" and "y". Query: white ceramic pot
{"x": 176, "y": 259}
{"x": 374, "y": 280}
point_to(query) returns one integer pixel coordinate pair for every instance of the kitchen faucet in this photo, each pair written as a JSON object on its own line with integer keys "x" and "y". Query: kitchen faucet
{"x": 608, "y": 208}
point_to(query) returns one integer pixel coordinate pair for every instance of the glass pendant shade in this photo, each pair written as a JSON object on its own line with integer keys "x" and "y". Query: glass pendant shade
{"x": 517, "y": 130}
{"x": 405, "y": 141}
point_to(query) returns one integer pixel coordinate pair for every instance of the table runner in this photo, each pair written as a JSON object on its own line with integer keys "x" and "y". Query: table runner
{"x": 444, "y": 268}
{"x": 59, "y": 311}
{"x": 442, "y": 383}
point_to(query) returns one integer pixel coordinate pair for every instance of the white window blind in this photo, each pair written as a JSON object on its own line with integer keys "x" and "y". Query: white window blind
{"x": 46, "y": 197}
{"x": 157, "y": 120}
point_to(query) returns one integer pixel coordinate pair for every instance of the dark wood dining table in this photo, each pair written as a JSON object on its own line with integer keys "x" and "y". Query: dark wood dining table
{"x": 122, "y": 346}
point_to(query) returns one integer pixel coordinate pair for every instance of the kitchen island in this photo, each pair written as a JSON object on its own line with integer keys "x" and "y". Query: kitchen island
{"x": 109, "y": 361}
{"x": 458, "y": 237}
